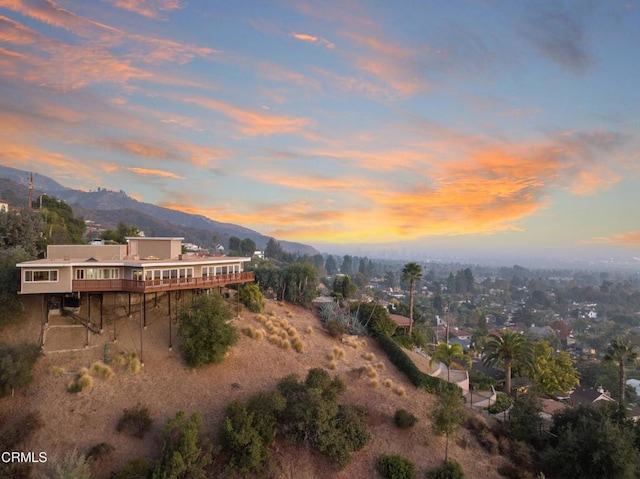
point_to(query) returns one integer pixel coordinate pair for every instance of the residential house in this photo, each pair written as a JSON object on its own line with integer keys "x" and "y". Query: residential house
{"x": 4, "y": 206}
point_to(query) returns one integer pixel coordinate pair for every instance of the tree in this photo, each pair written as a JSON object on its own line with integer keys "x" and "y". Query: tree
{"x": 551, "y": 372}
{"x": 206, "y": 336}
{"x": 16, "y": 363}
{"x": 184, "y": 454}
{"x": 347, "y": 265}
{"x": 344, "y": 286}
{"x": 120, "y": 234}
{"x": 251, "y": 297}
{"x": 331, "y": 266}
{"x": 449, "y": 413}
{"x": 622, "y": 352}
{"x": 411, "y": 273}
{"x": 588, "y": 443}
{"x": 11, "y": 308}
{"x": 23, "y": 230}
{"x": 235, "y": 244}
{"x": 299, "y": 282}
{"x": 248, "y": 247}
{"x": 504, "y": 350}
{"x": 448, "y": 354}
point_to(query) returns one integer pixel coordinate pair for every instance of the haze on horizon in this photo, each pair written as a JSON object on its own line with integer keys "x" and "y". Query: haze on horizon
{"x": 484, "y": 126}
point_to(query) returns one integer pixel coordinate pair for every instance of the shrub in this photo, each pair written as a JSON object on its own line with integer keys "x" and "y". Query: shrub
{"x": 57, "y": 371}
{"x": 298, "y": 345}
{"x": 251, "y": 297}
{"x": 14, "y": 437}
{"x": 99, "y": 451}
{"x": 134, "y": 365}
{"x": 374, "y": 382}
{"x": 401, "y": 391}
{"x": 502, "y": 404}
{"x": 404, "y": 419}
{"x": 449, "y": 470}
{"x": 206, "y": 336}
{"x": 388, "y": 383}
{"x": 72, "y": 466}
{"x": 309, "y": 330}
{"x": 134, "y": 469}
{"x": 183, "y": 454}
{"x": 101, "y": 370}
{"x": 81, "y": 382}
{"x": 135, "y": 421}
{"x": 16, "y": 363}
{"x": 375, "y": 317}
{"x": 335, "y": 329}
{"x": 395, "y": 467}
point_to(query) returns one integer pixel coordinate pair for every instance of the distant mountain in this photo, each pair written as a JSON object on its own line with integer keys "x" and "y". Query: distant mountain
{"x": 107, "y": 208}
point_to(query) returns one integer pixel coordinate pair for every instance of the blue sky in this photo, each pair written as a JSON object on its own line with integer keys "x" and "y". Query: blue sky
{"x": 470, "y": 125}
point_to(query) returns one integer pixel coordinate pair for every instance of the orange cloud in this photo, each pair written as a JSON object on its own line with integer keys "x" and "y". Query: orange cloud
{"x": 630, "y": 238}
{"x": 147, "y": 8}
{"x": 154, "y": 172}
{"x": 312, "y": 39}
{"x": 249, "y": 122}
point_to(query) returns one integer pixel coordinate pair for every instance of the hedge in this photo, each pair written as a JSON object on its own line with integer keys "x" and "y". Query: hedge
{"x": 404, "y": 363}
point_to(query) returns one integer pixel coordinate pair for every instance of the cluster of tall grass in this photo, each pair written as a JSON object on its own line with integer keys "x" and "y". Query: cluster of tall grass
{"x": 129, "y": 361}
{"x": 278, "y": 331}
{"x": 82, "y": 382}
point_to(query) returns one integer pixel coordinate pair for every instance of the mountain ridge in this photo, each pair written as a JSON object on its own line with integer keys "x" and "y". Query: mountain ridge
{"x": 107, "y": 208}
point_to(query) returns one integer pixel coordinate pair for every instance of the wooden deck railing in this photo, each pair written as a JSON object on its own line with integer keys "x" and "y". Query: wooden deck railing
{"x": 158, "y": 285}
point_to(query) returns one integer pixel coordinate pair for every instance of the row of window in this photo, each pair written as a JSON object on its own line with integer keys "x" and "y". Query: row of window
{"x": 44, "y": 276}
{"x": 41, "y": 276}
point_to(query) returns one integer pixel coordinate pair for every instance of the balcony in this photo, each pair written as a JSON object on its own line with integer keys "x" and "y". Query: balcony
{"x": 159, "y": 285}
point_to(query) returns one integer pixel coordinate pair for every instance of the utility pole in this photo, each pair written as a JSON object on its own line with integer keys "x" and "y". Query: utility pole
{"x": 31, "y": 190}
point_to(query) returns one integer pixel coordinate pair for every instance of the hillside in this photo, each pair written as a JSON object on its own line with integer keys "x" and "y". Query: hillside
{"x": 108, "y": 208}
{"x": 165, "y": 386}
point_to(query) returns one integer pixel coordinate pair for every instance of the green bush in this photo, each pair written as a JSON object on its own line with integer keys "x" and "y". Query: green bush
{"x": 184, "y": 454}
{"x": 404, "y": 419}
{"x": 449, "y": 470}
{"x": 16, "y": 363}
{"x": 245, "y": 448}
{"x": 404, "y": 363}
{"x": 395, "y": 467}
{"x": 100, "y": 450}
{"x": 204, "y": 330}
{"x": 335, "y": 329}
{"x": 14, "y": 437}
{"x": 502, "y": 404}
{"x": 134, "y": 469}
{"x": 252, "y": 298}
{"x": 313, "y": 416}
{"x": 375, "y": 317}
{"x": 135, "y": 421}
{"x": 72, "y": 466}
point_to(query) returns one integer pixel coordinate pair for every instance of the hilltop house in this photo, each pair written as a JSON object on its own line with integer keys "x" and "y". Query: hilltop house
{"x": 143, "y": 265}
{"x": 74, "y": 276}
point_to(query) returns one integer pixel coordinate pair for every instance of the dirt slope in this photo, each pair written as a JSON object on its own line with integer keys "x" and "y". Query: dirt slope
{"x": 165, "y": 386}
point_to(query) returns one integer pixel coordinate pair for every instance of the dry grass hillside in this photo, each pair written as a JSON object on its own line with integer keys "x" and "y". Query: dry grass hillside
{"x": 166, "y": 386}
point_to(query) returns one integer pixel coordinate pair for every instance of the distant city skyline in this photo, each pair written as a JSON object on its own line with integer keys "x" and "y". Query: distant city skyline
{"x": 475, "y": 127}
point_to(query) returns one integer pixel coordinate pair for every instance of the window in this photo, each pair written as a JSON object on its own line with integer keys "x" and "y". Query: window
{"x": 41, "y": 276}
{"x": 79, "y": 274}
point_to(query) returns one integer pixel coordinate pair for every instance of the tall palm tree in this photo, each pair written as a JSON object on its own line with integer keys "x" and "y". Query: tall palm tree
{"x": 447, "y": 354}
{"x": 622, "y": 352}
{"x": 506, "y": 349}
{"x": 411, "y": 273}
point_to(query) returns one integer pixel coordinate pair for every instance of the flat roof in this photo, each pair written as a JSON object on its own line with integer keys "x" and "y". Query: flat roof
{"x": 141, "y": 263}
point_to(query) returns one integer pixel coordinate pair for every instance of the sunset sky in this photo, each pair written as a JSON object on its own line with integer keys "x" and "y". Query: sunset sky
{"x": 472, "y": 125}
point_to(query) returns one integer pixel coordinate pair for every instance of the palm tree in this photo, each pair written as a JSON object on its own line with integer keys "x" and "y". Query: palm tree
{"x": 411, "y": 273}
{"x": 623, "y": 352}
{"x": 506, "y": 349}
{"x": 447, "y": 354}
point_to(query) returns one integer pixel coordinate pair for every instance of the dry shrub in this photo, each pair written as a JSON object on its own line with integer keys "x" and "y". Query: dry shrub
{"x": 309, "y": 330}
{"x": 248, "y": 331}
{"x": 388, "y": 383}
{"x": 401, "y": 391}
{"x": 261, "y": 318}
{"x": 363, "y": 343}
{"x": 260, "y": 334}
{"x": 285, "y": 344}
{"x": 272, "y": 313}
{"x": 338, "y": 353}
{"x": 369, "y": 356}
{"x": 289, "y": 314}
{"x": 372, "y": 372}
{"x": 275, "y": 339}
{"x": 283, "y": 334}
{"x": 353, "y": 342}
{"x": 101, "y": 370}
{"x": 57, "y": 371}
{"x": 284, "y": 323}
{"x": 380, "y": 365}
{"x": 292, "y": 331}
{"x": 333, "y": 364}
{"x": 298, "y": 345}
{"x": 134, "y": 365}
{"x": 82, "y": 382}
{"x": 374, "y": 382}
